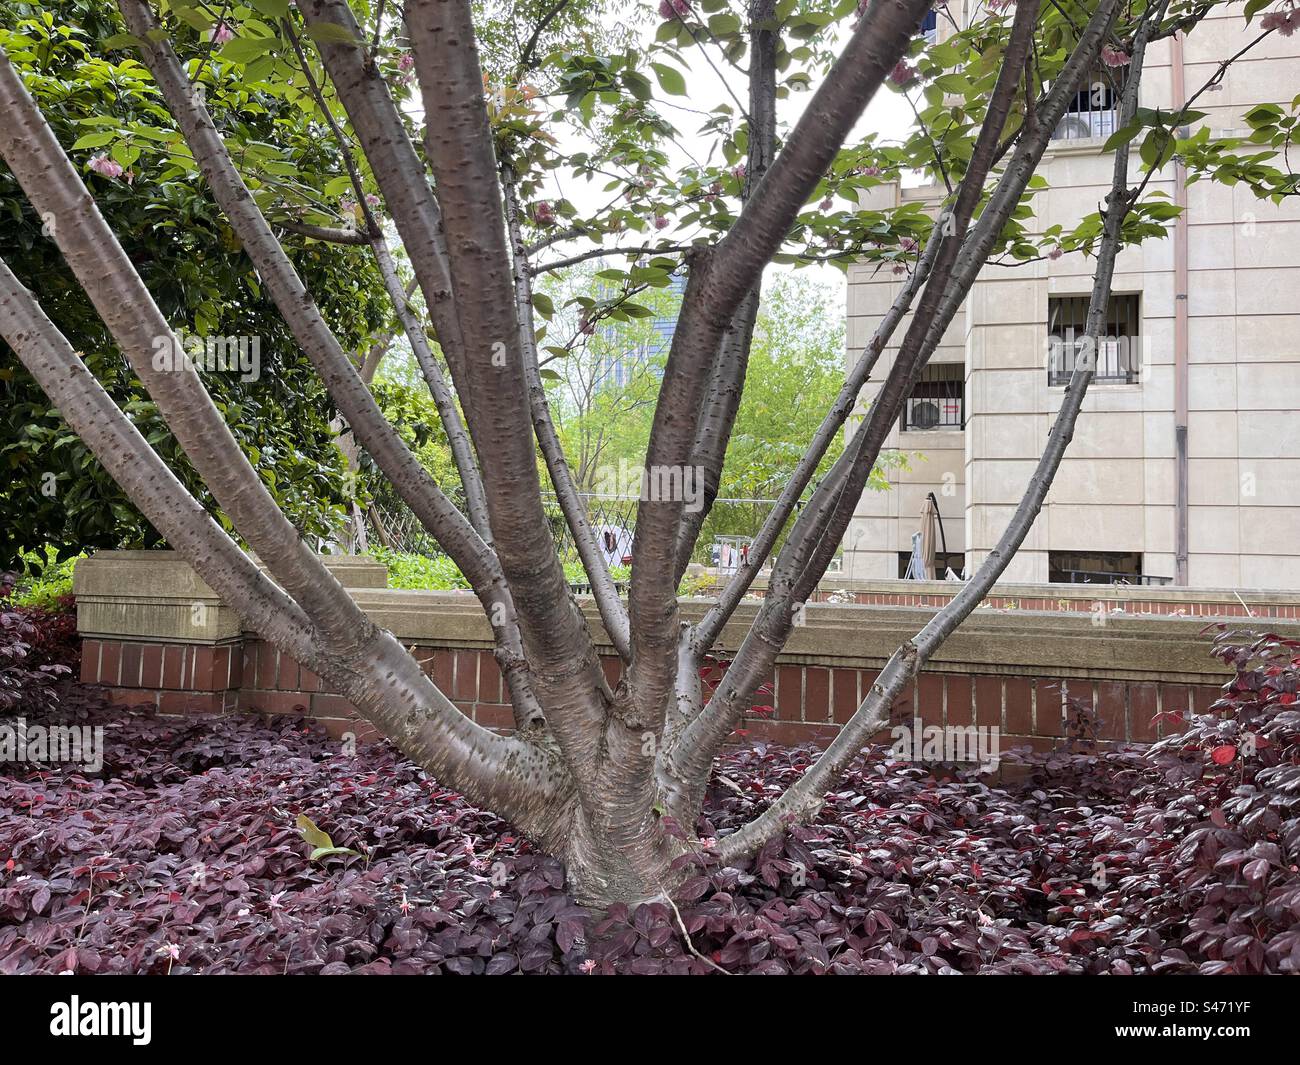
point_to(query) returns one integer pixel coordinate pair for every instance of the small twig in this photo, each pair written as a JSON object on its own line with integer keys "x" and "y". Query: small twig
{"x": 690, "y": 945}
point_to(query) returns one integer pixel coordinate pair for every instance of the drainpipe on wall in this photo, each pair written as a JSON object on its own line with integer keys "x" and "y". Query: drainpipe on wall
{"x": 1180, "y": 329}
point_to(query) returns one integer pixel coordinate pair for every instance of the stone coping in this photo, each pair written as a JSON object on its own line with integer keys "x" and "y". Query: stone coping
{"x": 157, "y": 595}
{"x": 1116, "y": 593}
{"x": 990, "y": 641}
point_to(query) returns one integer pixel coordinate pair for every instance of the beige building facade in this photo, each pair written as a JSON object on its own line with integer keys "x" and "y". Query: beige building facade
{"x": 1185, "y": 466}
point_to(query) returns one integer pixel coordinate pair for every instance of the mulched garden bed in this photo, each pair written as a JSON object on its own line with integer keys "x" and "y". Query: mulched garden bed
{"x": 184, "y": 854}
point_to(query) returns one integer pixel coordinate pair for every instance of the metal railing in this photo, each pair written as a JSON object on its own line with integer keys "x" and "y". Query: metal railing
{"x": 1118, "y": 348}
{"x": 1094, "y": 111}
{"x": 937, "y": 401}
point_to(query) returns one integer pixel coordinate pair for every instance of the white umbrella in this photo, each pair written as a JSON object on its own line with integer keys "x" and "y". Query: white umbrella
{"x": 929, "y": 518}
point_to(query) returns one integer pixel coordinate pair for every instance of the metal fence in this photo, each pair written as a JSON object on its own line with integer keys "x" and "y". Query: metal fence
{"x": 612, "y": 518}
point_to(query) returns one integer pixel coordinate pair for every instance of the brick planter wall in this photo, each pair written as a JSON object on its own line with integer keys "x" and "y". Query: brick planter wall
{"x": 810, "y": 702}
{"x": 1005, "y": 667}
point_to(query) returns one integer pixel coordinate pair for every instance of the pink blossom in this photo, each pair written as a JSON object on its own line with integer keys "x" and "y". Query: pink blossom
{"x": 544, "y": 214}
{"x": 406, "y": 63}
{"x": 1055, "y": 254}
{"x": 1285, "y": 22}
{"x": 738, "y": 171}
{"x": 674, "y": 9}
{"x": 661, "y": 222}
{"x": 1114, "y": 57}
{"x": 827, "y": 203}
{"x": 900, "y": 270}
{"x": 372, "y": 200}
{"x": 999, "y": 5}
{"x": 907, "y": 243}
{"x": 221, "y": 33}
{"x": 871, "y": 171}
{"x": 589, "y": 966}
{"x": 169, "y": 950}
{"x": 903, "y": 74}
{"x": 102, "y": 164}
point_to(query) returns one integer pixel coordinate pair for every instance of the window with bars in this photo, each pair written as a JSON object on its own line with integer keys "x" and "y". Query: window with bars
{"x": 1118, "y": 349}
{"x": 937, "y": 401}
{"x": 1093, "y": 111}
{"x": 1098, "y": 567}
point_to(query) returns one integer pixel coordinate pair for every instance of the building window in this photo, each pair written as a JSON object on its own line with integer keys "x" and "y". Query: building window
{"x": 937, "y": 401}
{"x": 1117, "y": 356}
{"x": 1093, "y": 111}
{"x": 1099, "y": 567}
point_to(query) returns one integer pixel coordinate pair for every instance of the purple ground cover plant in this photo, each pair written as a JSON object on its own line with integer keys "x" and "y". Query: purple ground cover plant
{"x": 185, "y": 856}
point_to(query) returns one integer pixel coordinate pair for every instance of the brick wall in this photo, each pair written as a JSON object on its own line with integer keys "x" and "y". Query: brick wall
{"x": 809, "y": 702}
{"x": 1134, "y": 653}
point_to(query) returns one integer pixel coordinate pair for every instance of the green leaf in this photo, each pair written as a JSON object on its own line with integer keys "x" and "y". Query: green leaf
{"x": 194, "y": 18}
{"x": 312, "y": 834}
{"x": 670, "y": 78}
{"x": 121, "y": 40}
{"x": 320, "y": 853}
{"x": 638, "y": 85}
{"x": 95, "y": 140}
{"x": 274, "y": 8}
{"x": 1121, "y": 136}
{"x": 244, "y": 49}
{"x": 542, "y": 305}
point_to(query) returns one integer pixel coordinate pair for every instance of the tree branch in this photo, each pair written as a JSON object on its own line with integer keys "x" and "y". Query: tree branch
{"x": 612, "y": 611}
{"x": 458, "y": 440}
{"x": 328, "y": 234}
{"x": 710, "y": 626}
{"x": 805, "y": 796}
{"x": 718, "y": 281}
{"x": 458, "y": 144}
{"x": 821, "y": 524}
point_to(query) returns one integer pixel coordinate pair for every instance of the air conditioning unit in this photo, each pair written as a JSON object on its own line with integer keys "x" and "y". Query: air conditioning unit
{"x": 924, "y": 414}
{"x": 1073, "y": 127}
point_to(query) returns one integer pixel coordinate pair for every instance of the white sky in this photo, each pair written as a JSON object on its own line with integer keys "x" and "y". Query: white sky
{"x": 888, "y": 115}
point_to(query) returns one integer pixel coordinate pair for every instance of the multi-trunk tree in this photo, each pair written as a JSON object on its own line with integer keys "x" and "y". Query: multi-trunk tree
{"x": 455, "y": 165}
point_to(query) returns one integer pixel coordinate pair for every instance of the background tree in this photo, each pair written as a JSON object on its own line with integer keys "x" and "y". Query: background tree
{"x": 105, "y": 107}
{"x": 610, "y": 777}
